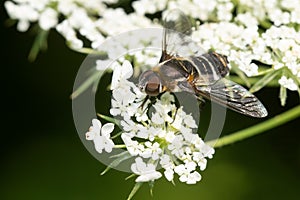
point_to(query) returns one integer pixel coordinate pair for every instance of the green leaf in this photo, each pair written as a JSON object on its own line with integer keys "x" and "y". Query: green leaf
{"x": 264, "y": 80}
{"x": 120, "y": 158}
{"x": 86, "y": 84}
{"x": 282, "y": 95}
{"x": 134, "y": 190}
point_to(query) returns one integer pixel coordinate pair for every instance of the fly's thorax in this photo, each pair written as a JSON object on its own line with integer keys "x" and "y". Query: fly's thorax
{"x": 150, "y": 83}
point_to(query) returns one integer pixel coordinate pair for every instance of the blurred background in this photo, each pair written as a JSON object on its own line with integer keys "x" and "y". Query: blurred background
{"x": 42, "y": 156}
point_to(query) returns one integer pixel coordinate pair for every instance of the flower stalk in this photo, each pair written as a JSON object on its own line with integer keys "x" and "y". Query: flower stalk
{"x": 257, "y": 129}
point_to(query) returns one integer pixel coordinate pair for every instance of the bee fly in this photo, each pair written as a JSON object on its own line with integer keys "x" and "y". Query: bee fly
{"x": 184, "y": 66}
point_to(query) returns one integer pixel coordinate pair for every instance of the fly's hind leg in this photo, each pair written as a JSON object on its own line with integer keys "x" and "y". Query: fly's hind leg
{"x": 201, "y": 102}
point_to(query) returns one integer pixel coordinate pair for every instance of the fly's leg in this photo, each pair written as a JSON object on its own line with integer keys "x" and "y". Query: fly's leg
{"x": 201, "y": 102}
{"x": 145, "y": 107}
{"x": 144, "y": 102}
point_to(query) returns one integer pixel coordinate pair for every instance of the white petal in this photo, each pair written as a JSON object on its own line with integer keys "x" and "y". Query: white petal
{"x": 157, "y": 119}
{"x": 148, "y": 177}
{"x": 115, "y": 111}
{"x": 183, "y": 178}
{"x": 202, "y": 164}
{"x": 116, "y": 76}
{"x": 90, "y": 135}
{"x": 190, "y": 166}
{"x": 179, "y": 169}
{"x": 48, "y": 19}
{"x": 109, "y": 146}
{"x": 169, "y": 174}
{"x": 193, "y": 178}
{"x": 189, "y": 121}
{"x": 127, "y": 70}
{"x": 134, "y": 168}
{"x": 96, "y": 126}
{"x": 23, "y": 25}
{"x": 142, "y": 178}
{"x": 107, "y": 129}
{"x": 140, "y": 165}
{"x": 99, "y": 143}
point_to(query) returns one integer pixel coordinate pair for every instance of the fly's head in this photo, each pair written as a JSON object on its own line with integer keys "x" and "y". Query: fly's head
{"x": 150, "y": 83}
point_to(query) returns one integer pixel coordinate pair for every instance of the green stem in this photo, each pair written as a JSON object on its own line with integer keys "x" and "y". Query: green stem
{"x": 120, "y": 146}
{"x": 259, "y": 128}
{"x": 85, "y": 50}
{"x": 117, "y": 135}
{"x": 40, "y": 43}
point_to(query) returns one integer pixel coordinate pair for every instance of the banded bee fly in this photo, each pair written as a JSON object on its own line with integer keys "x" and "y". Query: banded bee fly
{"x": 184, "y": 66}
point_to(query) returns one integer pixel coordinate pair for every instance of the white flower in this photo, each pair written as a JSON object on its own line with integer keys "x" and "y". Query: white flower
{"x": 168, "y": 165}
{"x": 23, "y": 25}
{"x": 288, "y": 83}
{"x": 48, "y": 19}
{"x": 192, "y": 178}
{"x": 187, "y": 173}
{"x": 133, "y": 147}
{"x": 151, "y": 150}
{"x": 168, "y": 136}
{"x": 23, "y": 12}
{"x": 145, "y": 171}
{"x": 247, "y": 19}
{"x": 163, "y": 111}
{"x": 189, "y": 121}
{"x": 169, "y": 174}
{"x": 199, "y": 158}
{"x": 176, "y": 146}
{"x": 101, "y": 136}
{"x": 250, "y": 70}
{"x": 121, "y": 73}
{"x": 157, "y": 119}
{"x": 121, "y": 102}
{"x": 69, "y": 33}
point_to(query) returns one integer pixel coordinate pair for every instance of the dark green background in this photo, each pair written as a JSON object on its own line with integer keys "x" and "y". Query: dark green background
{"x": 43, "y": 158}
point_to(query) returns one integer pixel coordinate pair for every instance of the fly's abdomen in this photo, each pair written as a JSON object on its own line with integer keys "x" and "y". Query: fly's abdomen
{"x": 211, "y": 67}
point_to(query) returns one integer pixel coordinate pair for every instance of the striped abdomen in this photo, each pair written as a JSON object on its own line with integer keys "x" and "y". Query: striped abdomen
{"x": 210, "y": 67}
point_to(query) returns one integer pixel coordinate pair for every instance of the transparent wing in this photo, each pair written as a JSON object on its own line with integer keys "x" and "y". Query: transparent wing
{"x": 177, "y": 40}
{"x": 235, "y": 97}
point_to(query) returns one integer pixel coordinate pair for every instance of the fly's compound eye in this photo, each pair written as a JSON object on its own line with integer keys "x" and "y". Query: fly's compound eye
{"x": 153, "y": 87}
{"x": 150, "y": 83}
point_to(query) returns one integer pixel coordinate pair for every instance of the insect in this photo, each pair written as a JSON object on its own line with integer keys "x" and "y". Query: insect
{"x": 184, "y": 66}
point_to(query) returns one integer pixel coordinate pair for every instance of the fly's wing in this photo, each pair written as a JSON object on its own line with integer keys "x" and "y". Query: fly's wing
{"x": 233, "y": 96}
{"x": 177, "y": 40}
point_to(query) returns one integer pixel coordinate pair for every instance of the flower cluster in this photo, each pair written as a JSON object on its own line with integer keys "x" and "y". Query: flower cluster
{"x": 92, "y": 19}
{"x": 241, "y": 44}
{"x": 277, "y": 47}
{"x": 158, "y": 134}
{"x": 259, "y": 31}
{"x": 101, "y": 136}
{"x": 216, "y": 10}
{"x": 279, "y": 12}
